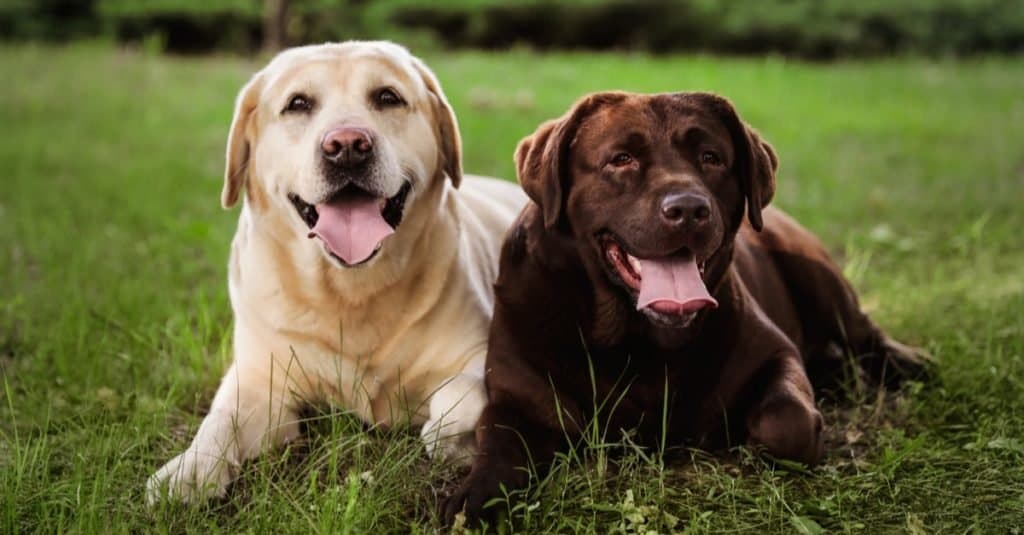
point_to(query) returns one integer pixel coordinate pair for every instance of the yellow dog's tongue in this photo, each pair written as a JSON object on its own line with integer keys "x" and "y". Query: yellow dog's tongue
{"x": 673, "y": 286}
{"x": 351, "y": 226}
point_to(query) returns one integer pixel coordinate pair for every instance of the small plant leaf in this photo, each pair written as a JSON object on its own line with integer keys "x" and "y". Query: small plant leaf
{"x": 806, "y": 525}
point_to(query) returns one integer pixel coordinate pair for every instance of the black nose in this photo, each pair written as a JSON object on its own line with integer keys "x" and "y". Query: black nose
{"x": 347, "y": 147}
{"x": 685, "y": 208}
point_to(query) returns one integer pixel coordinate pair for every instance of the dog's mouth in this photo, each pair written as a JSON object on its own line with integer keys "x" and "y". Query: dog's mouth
{"x": 668, "y": 289}
{"x": 353, "y": 223}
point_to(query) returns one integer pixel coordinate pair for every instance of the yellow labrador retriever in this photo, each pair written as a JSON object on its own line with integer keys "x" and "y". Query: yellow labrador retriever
{"x": 361, "y": 272}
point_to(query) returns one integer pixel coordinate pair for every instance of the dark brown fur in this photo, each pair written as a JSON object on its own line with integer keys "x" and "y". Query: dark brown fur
{"x": 736, "y": 374}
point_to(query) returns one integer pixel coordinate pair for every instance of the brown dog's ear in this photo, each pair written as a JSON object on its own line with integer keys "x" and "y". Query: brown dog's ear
{"x": 759, "y": 177}
{"x": 447, "y": 125}
{"x": 756, "y": 161}
{"x": 538, "y": 166}
{"x": 542, "y": 158}
{"x": 237, "y": 159}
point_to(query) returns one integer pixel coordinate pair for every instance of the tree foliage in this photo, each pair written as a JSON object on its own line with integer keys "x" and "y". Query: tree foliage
{"x": 818, "y": 29}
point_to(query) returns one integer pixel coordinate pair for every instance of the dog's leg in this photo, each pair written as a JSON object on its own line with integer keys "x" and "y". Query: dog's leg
{"x": 886, "y": 361}
{"x": 250, "y": 412}
{"x": 455, "y": 408}
{"x": 511, "y": 442}
{"x": 784, "y": 419}
{"x": 831, "y": 315}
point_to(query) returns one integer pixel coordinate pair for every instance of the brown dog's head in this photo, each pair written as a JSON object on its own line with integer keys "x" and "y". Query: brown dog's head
{"x": 651, "y": 187}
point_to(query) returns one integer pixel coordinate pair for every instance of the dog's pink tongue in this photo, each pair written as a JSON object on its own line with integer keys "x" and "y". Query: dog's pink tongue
{"x": 672, "y": 286}
{"x": 352, "y": 227}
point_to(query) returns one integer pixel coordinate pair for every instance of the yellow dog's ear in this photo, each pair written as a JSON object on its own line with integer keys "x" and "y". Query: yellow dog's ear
{"x": 447, "y": 125}
{"x": 237, "y": 159}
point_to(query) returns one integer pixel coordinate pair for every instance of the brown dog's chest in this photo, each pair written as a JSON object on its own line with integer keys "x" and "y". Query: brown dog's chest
{"x": 634, "y": 384}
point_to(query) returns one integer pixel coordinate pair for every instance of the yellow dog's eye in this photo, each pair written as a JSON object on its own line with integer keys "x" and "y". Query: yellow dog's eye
{"x": 388, "y": 98}
{"x": 298, "y": 104}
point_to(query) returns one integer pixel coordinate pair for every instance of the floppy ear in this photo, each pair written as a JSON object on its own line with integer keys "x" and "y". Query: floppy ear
{"x": 539, "y": 168}
{"x": 237, "y": 159}
{"x": 756, "y": 163}
{"x": 759, "y": 176}
{"x": 447, "y": 125}
{"x": 542, "y": 158}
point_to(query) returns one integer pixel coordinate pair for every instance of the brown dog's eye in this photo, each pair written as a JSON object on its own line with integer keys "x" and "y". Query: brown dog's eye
{"x": 621, "y": 159}
{"x": 710, "y": 158}
{"x": 298, "y": 104}
{"x": 388, "y": 98}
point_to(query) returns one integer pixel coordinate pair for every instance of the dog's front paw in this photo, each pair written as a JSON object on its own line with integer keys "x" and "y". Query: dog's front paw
{"x": 470, "y": 498}
{"x": 454, "y": 410}
{"x": 455, "y": 446}
{"x": 190, "y": 477}
{"x": 788, "y": 429}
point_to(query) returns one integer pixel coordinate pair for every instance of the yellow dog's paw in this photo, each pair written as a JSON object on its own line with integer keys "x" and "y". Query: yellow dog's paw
{"x": 190, "y": 477}
{"x": 454, "y": 410}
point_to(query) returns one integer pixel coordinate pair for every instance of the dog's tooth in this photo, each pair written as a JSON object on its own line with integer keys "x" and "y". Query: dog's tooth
{"x": 634, "y": 263}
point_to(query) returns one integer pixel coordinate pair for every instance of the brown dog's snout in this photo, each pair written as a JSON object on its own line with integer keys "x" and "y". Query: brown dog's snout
{"x": 347, "y": 146}
{"x": 685, "y": 209}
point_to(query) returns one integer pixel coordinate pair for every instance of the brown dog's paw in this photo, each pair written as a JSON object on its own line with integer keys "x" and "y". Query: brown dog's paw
{"x": 471, "y": 498}
{"x": 897, "y": 363}
{"x": 788, "y": 429}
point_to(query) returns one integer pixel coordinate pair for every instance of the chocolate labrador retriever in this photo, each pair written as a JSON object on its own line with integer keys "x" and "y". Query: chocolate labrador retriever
{"x": 634, "y": 261}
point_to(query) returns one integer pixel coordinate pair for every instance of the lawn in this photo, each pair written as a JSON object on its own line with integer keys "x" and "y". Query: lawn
{"x": 114, "y": 318}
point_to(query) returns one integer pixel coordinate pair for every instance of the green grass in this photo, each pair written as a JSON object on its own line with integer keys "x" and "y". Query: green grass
{"x": 114, "y": 314}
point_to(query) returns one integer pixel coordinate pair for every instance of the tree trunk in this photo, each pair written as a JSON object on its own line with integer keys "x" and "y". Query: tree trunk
{"x": 275, "y": 25}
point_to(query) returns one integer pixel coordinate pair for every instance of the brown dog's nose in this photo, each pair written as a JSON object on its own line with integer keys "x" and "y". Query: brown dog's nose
{"x": 685, "y": 208}
{"x": 347, "y": 147}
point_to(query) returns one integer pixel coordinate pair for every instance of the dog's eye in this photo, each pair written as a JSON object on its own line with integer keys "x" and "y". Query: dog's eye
{"x": 298, "y": 104}
{"x": 388, "y": 98}
{"x": 710, "y": 158}
{"x": 621, "y": 159}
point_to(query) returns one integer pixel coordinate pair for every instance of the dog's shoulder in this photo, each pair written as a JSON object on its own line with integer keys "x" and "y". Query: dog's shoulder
{"x": 529, "y": 242}
{"x": 535, "y": 263}
{"x": 516, "y": 271}
{"x": 514, "y": 249}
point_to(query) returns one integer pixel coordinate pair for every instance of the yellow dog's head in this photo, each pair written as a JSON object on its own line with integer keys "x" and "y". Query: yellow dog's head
{"x": 344, "y": 137}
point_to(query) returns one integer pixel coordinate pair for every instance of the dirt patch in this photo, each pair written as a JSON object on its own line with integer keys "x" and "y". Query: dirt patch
{"x": 851, "y": 430}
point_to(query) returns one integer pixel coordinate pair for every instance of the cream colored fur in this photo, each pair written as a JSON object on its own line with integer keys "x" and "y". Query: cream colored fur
{"x": 400, "y": 340}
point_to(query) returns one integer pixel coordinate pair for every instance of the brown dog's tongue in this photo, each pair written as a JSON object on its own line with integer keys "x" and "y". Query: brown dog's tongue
{"x": 672, "y": 285}
{"x": 351, "y": 226}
